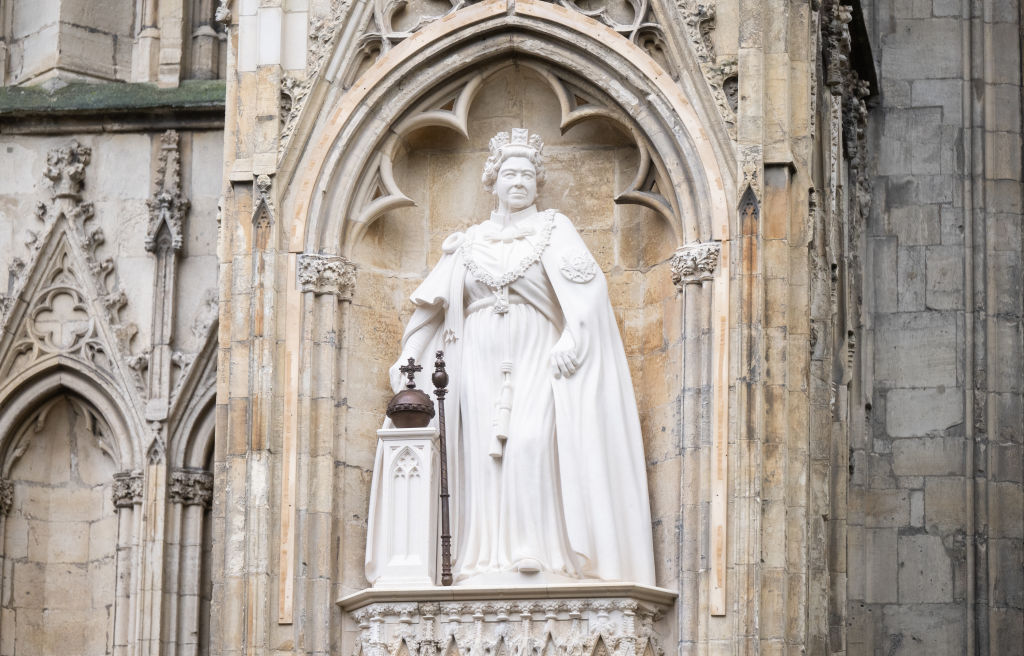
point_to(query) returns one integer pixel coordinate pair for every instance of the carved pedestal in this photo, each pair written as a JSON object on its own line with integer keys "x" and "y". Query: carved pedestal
{"x": 585, "y": 619}
{"x": 403, "y": 508}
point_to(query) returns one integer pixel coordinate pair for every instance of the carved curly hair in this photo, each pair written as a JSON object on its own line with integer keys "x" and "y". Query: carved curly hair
{"x": 518, "y": 144}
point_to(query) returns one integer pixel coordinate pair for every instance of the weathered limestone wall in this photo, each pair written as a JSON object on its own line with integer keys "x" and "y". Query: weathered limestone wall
{"x": 60, "y": 536}
{"x": 936, "y": 494}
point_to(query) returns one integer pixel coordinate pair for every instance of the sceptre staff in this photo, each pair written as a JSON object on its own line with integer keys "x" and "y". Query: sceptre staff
{"x": 440, "y": 380}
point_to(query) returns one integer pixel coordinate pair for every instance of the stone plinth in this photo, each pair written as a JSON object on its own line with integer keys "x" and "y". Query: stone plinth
{"x": 403, "y": 508}
{"x": 586, "y": 619}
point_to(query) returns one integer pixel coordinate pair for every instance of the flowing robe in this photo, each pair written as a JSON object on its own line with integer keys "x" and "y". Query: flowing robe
{"x": 570, "y": 489}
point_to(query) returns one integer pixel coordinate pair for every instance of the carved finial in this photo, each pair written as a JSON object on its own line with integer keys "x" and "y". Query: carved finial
{"x": 440, "y": 377}
{"x": 65, "y": 169}
{"x": 410, "y": 370}
{"x": 168, "y": 206}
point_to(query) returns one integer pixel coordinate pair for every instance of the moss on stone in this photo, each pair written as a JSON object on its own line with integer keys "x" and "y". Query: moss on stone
{"x": 114, "y": 96}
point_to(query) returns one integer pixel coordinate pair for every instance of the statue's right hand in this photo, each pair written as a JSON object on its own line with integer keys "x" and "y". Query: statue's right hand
{"x": 564, "y": 361}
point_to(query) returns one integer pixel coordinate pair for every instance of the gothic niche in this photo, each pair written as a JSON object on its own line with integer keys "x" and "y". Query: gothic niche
{"x": 426, "y": 186}
{"x": 60, "y": 535}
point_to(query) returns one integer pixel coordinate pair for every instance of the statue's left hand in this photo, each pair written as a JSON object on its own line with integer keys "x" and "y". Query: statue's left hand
{"x": 564, "y": 361}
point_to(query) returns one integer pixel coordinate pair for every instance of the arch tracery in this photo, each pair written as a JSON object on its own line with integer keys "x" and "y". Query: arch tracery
{"x": 399, "y": 93}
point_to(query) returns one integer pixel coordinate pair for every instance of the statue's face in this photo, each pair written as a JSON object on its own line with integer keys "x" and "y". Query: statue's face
{"x": 516, "y": 186}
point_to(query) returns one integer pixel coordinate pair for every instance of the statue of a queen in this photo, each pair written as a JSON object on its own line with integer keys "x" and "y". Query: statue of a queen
{"x": 545, "y": 451}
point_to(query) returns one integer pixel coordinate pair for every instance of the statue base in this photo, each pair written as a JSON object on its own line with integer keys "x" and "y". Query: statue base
{"x": 569, "y": 619}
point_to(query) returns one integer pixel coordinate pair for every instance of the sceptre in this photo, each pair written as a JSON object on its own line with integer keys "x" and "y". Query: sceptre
{"x": 440, "y": 380}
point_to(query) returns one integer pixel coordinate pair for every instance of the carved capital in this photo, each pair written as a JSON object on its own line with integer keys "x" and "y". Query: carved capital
{"x": 191, "y": 487}
{"x": 327, "y": 274}
{"x": 6, "y": 496}
{"x": 695, "y": 263}
{"x": 127, "y": 489}
{"x": 65, "y": 169}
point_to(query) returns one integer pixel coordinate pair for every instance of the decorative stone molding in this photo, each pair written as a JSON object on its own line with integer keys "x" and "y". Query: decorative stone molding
{"x": 6, "y": 495}
{"x": 127, "y": 489}
{"x": 695, "y": 263}
{"x": 191, "y": 487}
{"x": 223, "y": 13}
{"x": 168, "y": 206}
{"x": 750, "y": 158}
{"x": 263, "y": 208}
{"x": 294, "y": 91}
{"x": 69, "y": 305}
{"x": 721, "y": 76}
{"x": 326, "y": 274}
{"x": 549, "y": 622}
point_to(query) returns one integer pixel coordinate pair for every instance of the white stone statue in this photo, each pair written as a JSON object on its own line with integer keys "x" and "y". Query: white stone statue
{"x": 545, "y": 453}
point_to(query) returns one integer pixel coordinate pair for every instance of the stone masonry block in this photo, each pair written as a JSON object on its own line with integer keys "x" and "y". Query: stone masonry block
{"x": 880, "y": 561}
{"x": 925, "y": 570}
{"x": 923, "y": 48}
{"x": 944, "y": 504}
{"x": 928, "y": 456}
{"x": 886, "y": 508}
{"x": 939, "y": 93}
{"x": 1006, "y": 510}
{"x": 912, "y": 630}
{"x": 916, "y": 349}
{"x": 915, "y": 224}
{"x": 918, "y": 412}
{"x": 910, "y": 279}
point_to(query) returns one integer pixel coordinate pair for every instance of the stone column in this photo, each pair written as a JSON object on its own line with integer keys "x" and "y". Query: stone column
{"x": 693, "y": 269}
{"x": 326, "y": 284}
{"x": 190, "y": 493}
{"x": 127, "y": 494}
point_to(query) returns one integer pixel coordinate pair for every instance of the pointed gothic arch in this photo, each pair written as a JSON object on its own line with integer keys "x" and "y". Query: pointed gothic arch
{"x": 328, "y": 182}
{"x": 62, "y": 375}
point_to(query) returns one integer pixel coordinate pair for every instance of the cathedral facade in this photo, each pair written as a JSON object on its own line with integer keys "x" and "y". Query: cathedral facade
{"x": 808, "y": 214}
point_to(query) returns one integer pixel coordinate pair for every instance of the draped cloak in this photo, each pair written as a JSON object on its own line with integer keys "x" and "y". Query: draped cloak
{"x": 599, "y": 449}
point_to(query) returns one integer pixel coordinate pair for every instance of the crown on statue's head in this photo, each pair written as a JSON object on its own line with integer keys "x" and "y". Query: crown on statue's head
{"x": 517, "y": 140}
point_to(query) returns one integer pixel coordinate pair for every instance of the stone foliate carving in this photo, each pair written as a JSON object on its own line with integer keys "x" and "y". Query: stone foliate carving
{"x": 294, "y": 91}
{"x": 168, "y": 206}
{"x": 127, "y": 489}
{"x": 616, "y": 626}
{"x": 191, "y": 487}
{"x": 326, "y": 274}
{"x": 488, "y": 304}
{"x": 65, "y": 169}
{"x": 721, "y": 76}
{"x": 6, "y": 495}
{"x": 695, "y": 263}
